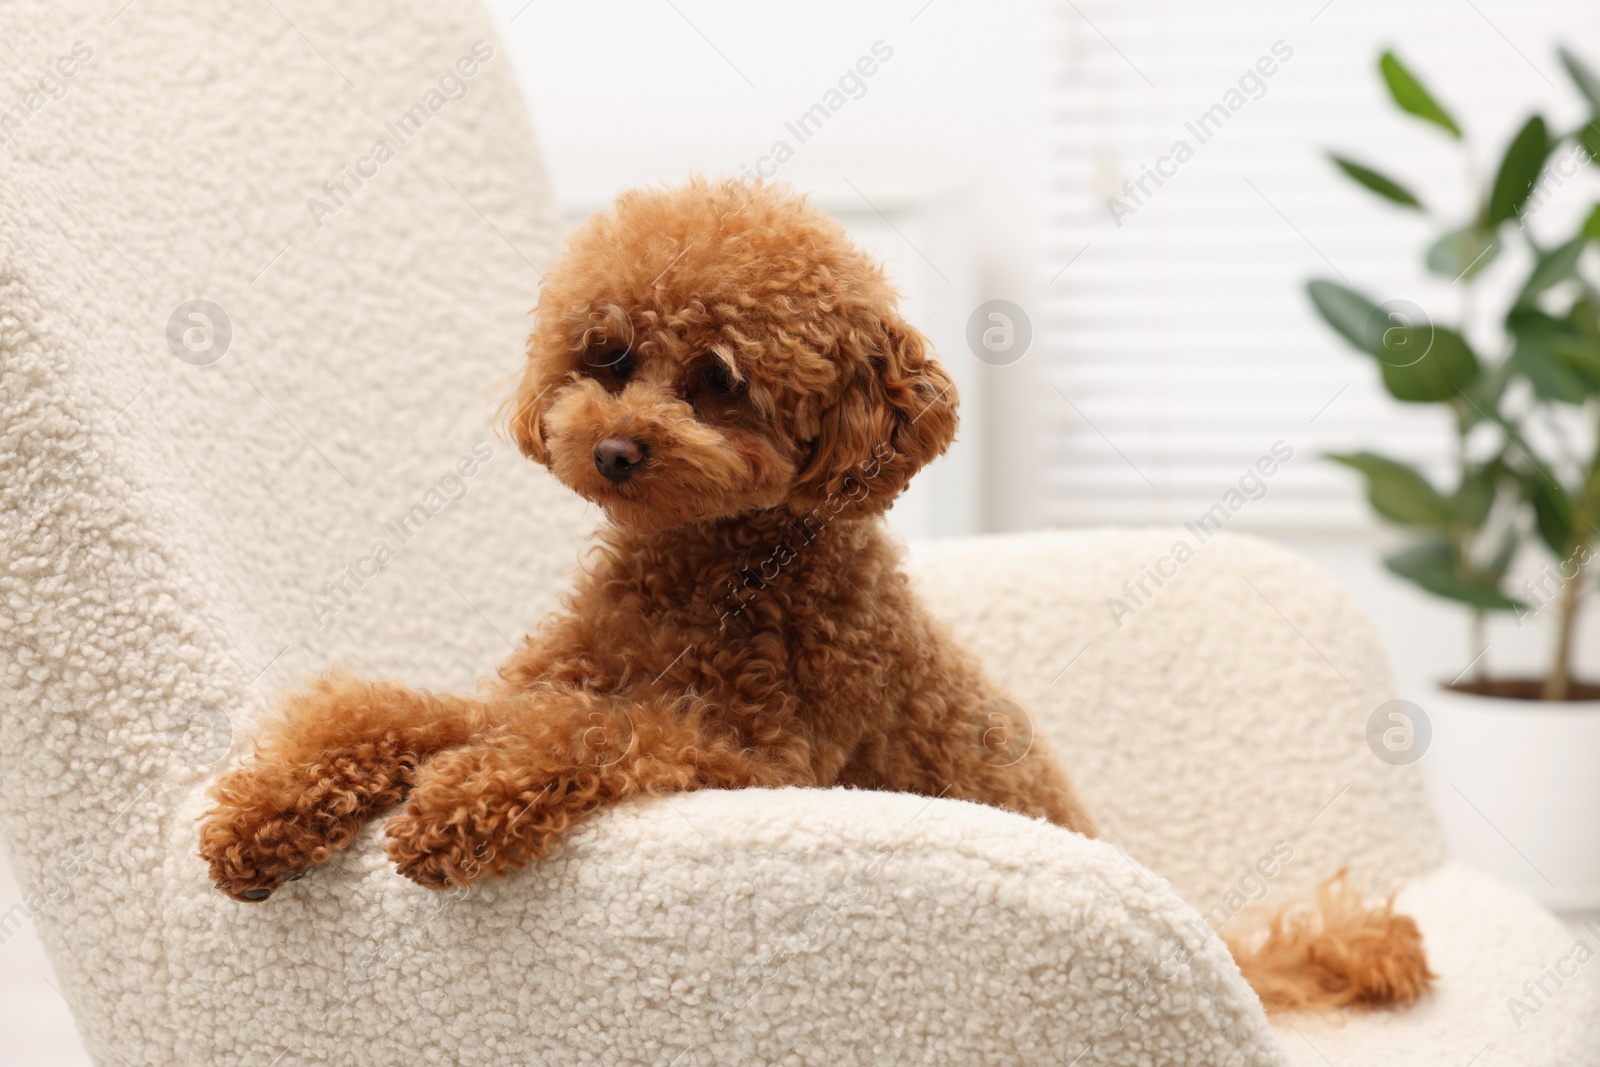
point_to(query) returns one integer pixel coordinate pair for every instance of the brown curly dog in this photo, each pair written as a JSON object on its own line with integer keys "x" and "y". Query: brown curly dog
{"x": 728, "y": 377}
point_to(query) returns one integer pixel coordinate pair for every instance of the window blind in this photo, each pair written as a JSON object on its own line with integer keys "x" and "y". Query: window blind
{"x": 1188, "y": 197}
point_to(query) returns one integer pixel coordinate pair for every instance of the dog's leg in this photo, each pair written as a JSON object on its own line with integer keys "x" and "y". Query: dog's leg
{"x": 1020, "y": 772}
{"x": 970, "y": 761}
{"x": 554, "y": 757}
{"x": 956, "y": 738}
{"x": 341, "y": 751}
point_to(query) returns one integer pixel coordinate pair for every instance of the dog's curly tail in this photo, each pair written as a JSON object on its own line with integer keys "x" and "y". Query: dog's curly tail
{"x": 1336, "y": 951}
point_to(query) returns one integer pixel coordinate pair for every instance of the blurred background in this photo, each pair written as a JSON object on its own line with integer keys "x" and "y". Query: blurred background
{"x": 1172, "y": 340}
{"x": 1027, "y": 152}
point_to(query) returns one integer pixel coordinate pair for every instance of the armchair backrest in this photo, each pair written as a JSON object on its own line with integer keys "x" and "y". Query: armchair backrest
{"x": 262, "y": 269}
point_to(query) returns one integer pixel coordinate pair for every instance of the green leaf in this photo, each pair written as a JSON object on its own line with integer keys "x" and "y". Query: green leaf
{"x": 1551, "y": 377}
{"x": 1584, "y": 318}
{"x": 1591, "y": 225}
{"x": 1463, "y": 253}
{"x": 1476, "y": 495}
{"x": 1580, "y": 352}
{"x": 1397, "y": 492}
{"x": 1485, "y": 392}
{"x": 1589, "y": 137}
{"x": 1384, "y": 187}
{"x": 1583, "y": 78}
{"x": 1519, "y": 171}
{"x": 1496, "y": 570}
{"x": 1445, "y": 366}
{"x": 1421, "y": 363}
{"x": 1553, "y": 268}
{"x": 1433, "y": 566}
{"x": 1410, "y": 95}
{"x": 1552, "y": 510}
{"x": 1558, "y": 359}
{"x": 1346, "y": 310}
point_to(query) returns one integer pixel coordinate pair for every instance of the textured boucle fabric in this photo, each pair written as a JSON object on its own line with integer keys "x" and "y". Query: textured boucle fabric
{"x": 173, "y": 533}
{"x": 1246, "y": 675}
{"x": 782, "y": 926}
{"x": 1486, "y": 940}
{"x": 1226, "y": 718}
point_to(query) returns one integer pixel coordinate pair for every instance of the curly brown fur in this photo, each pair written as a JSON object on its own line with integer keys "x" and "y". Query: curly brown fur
{"x": 339, "y": 753}
{"x": 1335, "y": 953}
{"x": 744, "y": 622}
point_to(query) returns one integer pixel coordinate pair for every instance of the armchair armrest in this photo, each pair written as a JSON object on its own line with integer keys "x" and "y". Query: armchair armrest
{"x": 832, "y": 926}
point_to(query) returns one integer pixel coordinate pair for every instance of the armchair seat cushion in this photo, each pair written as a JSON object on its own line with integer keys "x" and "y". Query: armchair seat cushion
{"x": 1485, "y": 940}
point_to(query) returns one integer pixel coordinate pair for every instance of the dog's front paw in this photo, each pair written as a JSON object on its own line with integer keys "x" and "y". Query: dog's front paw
{"x": 252, "y": 852}
{"x": 475, "y": 812}
{"x": 274, "y": 820}
{"x": 439, "y": 854}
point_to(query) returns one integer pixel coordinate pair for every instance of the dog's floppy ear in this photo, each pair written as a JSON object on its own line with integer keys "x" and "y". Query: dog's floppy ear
{"x": 894, "y": 412}
{"x": 523, "y": 412}
{"x": 555, "y": 347}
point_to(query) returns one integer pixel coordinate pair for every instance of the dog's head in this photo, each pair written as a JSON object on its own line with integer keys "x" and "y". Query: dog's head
{"x": 712, "y": 351}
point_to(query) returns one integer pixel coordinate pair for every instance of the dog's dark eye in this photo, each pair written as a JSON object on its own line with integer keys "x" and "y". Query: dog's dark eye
{"x": 617, "y": 361}
{"x": 720, "y": 380}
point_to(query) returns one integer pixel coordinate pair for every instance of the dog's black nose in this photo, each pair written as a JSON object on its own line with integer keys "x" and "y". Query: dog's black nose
{"x": 256, "y": 894}
{"x": 618, "y": 457}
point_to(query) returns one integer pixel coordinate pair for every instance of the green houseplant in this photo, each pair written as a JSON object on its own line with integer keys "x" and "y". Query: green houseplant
{"x": 1524, "y": 406}
{"x": 1468, "y": 533}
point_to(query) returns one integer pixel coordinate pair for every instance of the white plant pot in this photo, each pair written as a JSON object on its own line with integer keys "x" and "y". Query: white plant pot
{"x": 1516, "y": 784}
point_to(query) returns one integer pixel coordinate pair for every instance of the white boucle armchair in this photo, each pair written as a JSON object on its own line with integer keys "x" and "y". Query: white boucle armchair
{"x": 202, "y": 502}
